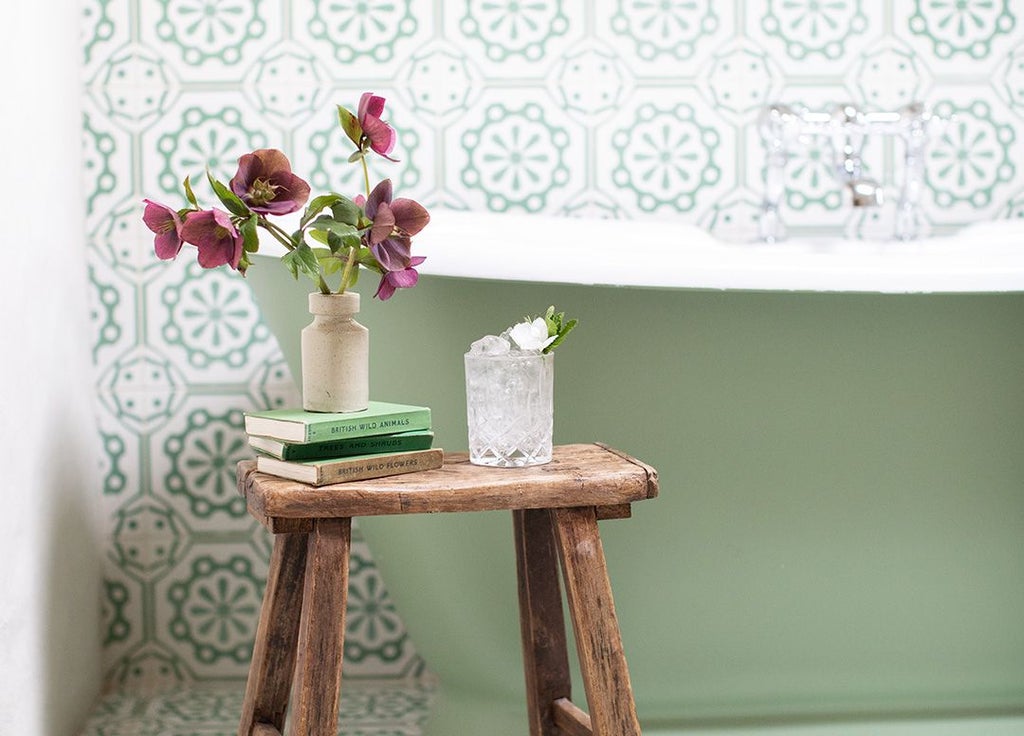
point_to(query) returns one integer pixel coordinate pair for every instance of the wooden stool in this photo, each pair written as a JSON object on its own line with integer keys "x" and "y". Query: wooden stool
{"x": 555, "y": 510}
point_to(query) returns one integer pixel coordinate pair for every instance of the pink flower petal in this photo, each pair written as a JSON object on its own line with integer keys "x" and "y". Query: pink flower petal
{"x": 163, "y": 221}
{"x": 383, "y": 223}
{"x": 385, "y": 290}
{"x": 216, "y": 238}
{"x": 404, "y": 279}
{"x": 370, "y": 104}
{"x": 410, "y": 215}
{"x": 167, "y": 246}
{"x": 380, "y": 193}
{"x": 382, "y": 136}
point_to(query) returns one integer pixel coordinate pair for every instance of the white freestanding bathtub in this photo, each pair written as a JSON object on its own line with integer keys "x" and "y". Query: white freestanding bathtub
{"x": 839, "y": 432}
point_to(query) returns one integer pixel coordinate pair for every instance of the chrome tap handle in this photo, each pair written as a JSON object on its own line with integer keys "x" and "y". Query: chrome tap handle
{"x": 849, "y": 128}
{"x": 779, "y": 127}
{"x": 847, "y": 139}
{"x": 915, "y": 130}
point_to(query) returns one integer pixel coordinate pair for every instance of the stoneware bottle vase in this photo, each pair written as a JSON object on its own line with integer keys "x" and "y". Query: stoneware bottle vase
{"x": 335, "y": 355}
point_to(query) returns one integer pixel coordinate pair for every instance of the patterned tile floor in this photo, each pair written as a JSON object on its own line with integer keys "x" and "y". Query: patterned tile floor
{"x": 368, "y": 708}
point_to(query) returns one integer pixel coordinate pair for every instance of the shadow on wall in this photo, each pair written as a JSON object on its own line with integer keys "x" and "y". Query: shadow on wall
{"x": 71, "y": 574}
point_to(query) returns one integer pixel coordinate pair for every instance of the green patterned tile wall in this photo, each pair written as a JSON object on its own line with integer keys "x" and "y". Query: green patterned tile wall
{"x": 613, "y": 108}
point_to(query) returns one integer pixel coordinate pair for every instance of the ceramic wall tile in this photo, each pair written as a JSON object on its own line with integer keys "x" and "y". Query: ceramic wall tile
{"x": 618, "y": 108}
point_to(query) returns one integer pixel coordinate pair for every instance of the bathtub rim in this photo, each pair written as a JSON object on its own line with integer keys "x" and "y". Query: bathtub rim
{"x": 985, "y": 257}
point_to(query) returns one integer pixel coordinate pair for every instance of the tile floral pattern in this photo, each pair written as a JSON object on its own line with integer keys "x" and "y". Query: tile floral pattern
{"x": 624, "y": 108}
{"x": 368, "y": 708}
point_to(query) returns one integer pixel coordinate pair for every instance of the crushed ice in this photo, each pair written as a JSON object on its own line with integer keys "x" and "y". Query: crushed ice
{"x": 490, "y": 345}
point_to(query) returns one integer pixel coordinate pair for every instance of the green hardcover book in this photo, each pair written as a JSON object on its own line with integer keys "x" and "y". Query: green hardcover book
{"x": 301, "y": 427}
{"x": 360, "y": 467}
{"x": 401, "y": 442}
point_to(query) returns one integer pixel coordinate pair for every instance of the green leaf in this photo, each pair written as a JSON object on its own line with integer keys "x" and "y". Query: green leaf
{"x": 303, "y": 260}
{"x": 565, "y": 330}
{"x": 228, "y": 198}
{"x": 329, "y": 223}
{"x": 189, "y": 194}
{"x": 340, "y": 234}
{"x": 365, "y": 257}
{"x": 350, "y": 124}
{"x": 356, "y": 156}
{"x": 309, "y": 259}
{"x": 553, "y": 322}
{"x": 250, "y": 236}
{"x": 329, "y": 263}
{"x": 347, "y": 211}
{"x": 335, "y": 242}
{"x": 291, "y": 264}
{"x": 317, "y": 205}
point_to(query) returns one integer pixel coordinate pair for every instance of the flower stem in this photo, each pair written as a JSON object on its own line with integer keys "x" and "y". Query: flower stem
{"x": 366, "y": 176}
{"x": 347, "y": 273}
{"x": 280, "y": 235}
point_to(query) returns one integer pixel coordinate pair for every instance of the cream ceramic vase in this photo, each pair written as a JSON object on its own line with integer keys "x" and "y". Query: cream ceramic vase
{"x": 335, "y": 355}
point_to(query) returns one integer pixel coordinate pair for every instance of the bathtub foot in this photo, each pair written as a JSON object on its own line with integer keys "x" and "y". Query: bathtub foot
{"x": 543, "y": 537}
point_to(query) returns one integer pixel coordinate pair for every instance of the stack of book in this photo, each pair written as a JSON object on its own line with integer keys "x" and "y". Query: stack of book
{"x": 320, "y": 448}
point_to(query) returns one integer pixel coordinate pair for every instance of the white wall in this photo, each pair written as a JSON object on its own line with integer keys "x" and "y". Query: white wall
{"x": 49, "y": 553}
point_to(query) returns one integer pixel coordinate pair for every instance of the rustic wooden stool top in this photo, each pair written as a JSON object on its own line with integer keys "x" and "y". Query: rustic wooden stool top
{"x": 555, "y": 512}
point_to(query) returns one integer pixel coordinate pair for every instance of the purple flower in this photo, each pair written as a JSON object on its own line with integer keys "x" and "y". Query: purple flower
{"x": 213, "y": 233}
{"x": 400, "y": 218}
{"x": 165, "y": 222}
{"x": 403, "y": 279}
{"x": 265, "y": 182}
{"x": 390, "y": 237}
{"x": 382, "y": 136}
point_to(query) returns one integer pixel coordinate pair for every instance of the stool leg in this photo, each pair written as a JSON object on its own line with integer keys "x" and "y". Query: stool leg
{"x": 273, "y": 656}
{"x": 545, "y": 656}
{"x": 322, "y": 630}
{"x": 598, "y": 642}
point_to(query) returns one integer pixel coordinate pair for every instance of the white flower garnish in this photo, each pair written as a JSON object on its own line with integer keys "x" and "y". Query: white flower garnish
{"x": 531, "y": 335}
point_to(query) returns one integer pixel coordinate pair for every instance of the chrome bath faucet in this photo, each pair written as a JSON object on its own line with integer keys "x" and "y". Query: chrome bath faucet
{"x": 843, "y": 130}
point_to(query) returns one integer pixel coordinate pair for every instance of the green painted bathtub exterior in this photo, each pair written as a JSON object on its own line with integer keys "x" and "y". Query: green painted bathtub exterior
{"x": 841, "y": 521}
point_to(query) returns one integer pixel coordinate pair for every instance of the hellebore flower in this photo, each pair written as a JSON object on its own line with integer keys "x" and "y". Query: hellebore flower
{"x": 213, "y": 233}
{"x": 402, "y": 279}
{"x": 390, "y": 237}
{"x": 401, "y": 217}
{"x": 382, "y": 137}
{"x": 265, "y": 182}
{"x": 165, "y": 222}
{"x": 394, "y": 224}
